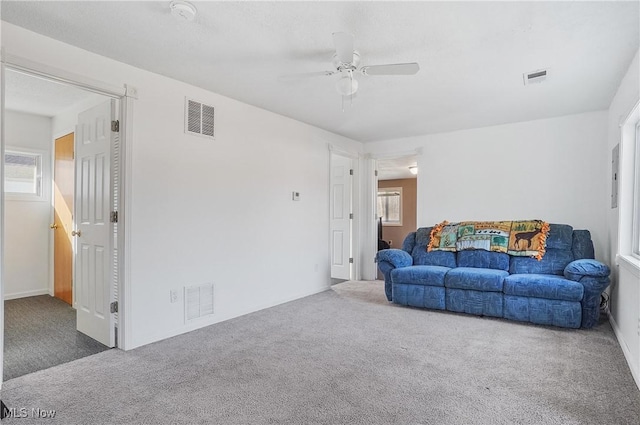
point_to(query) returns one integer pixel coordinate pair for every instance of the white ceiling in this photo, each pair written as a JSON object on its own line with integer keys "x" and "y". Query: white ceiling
{"x": 396, "y": 168}
{"x": 472, "y": 55}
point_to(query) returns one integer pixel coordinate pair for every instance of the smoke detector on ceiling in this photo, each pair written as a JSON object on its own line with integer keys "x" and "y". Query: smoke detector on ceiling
{"x": 536, "y": 76}
{"x": 183, "y": 11}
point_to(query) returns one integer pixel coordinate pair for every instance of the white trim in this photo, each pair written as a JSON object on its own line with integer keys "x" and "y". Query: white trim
{"x": 212, "y": 320}
{"x": 25, "y": 66}
{"x": 2, "y": 121}
{"x": 341, "y": 152}
{"x": 125, "y": 332}
{"x": 25, "y": 294}
{"x": 625, "y": 350}
{"x": 629, "y": 263}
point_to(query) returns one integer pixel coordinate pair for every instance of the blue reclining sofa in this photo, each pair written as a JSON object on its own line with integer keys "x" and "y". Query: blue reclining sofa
{"x": 562, "y": 289}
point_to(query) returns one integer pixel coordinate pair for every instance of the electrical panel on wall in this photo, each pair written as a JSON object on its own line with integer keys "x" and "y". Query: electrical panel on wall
{"x": 199, "y": 118}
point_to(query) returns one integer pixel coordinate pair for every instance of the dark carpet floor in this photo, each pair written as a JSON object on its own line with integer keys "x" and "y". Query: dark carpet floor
{"x": 40, "y": 332}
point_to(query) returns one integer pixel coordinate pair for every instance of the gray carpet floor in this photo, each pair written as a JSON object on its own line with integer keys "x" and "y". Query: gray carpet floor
{"x": 40, "y": 332}
{"x": 346, "y": 356}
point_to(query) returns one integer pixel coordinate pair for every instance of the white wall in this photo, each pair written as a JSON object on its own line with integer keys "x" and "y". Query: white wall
{"x": 625, "y": 288}
{"x": 551, "y": 169}
{"x": 27, "y": 230}
{"x": 210, "y": 210}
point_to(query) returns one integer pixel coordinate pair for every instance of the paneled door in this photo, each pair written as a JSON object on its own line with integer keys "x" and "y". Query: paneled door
{"x": 63, "y": 219}
{"x": 340, "y": 219}
{"x": 94, "y": 230}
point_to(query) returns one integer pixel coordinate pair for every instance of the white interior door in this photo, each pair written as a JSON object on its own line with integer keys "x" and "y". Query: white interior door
{"x": 92, "y": 266}
{"x": 340, "y": 210}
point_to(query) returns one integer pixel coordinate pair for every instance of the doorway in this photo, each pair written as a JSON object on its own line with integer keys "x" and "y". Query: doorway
{"x": 341, "y": 217}
{"x": 396, "y": 202}
{"x": 40, "y": 283}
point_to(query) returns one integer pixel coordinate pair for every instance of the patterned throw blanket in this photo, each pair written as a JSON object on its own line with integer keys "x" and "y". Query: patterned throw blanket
{"x": 521, "y": 238}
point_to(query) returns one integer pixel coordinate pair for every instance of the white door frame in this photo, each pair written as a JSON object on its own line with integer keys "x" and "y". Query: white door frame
{"x": 126, "y": 96}
{"x": 355, "y": 205}
{"x": 372, "y": 234}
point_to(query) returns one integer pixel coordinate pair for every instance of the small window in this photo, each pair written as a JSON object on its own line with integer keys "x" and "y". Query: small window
{"x": 390, "y": 206}
{"x": 23, "y": 174}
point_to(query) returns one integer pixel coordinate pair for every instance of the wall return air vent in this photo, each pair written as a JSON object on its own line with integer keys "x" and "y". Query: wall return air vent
{"x": 198, "y": 301}
{"x": 199, "y": 118}
{"x": 534, "y": 77}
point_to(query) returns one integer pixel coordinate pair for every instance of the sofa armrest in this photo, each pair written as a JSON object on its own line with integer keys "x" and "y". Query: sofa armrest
{"x": 389, "y": 259}
{"x": 396, "y": 257}
{"x": 594, "y": 276}
{"x": 578, "y": 269}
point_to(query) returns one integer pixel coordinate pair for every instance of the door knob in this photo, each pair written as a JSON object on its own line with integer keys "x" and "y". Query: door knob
{"x": 74, "y": 233}
{"x": 53, "y": 226}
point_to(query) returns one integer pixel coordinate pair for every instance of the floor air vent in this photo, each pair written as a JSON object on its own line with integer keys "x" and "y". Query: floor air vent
{"x": 199, "y": 118}
{"x": 198, "y": 301}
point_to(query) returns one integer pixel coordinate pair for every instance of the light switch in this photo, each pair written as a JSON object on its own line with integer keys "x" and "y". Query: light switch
{"x": 295, "y": 196}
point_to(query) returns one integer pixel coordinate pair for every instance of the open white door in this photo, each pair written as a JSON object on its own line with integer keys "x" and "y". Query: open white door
{"x": 340, "y": 209}
{"x": 93, "y": 272}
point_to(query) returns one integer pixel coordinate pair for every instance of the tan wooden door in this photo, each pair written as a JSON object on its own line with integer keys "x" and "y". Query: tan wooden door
{"x": 63, "y": 219}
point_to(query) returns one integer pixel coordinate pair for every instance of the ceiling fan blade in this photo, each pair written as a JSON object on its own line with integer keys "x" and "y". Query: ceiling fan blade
{"x": 291, "y": 77}
{"x": 391, "y": 69}
{"x": 344, "y": 46}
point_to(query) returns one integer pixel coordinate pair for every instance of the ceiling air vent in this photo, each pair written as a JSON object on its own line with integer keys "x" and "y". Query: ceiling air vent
{"x": 199, "y": 118}
{"x": 537, "y": 76}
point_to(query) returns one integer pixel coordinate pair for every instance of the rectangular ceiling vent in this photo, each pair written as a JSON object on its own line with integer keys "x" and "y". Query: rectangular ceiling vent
{"x": 537, "y": 76}
{"x": 198, "y": 301}
{"x": 199, "y": 118}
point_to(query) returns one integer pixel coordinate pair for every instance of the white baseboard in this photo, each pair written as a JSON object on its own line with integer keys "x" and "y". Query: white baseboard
{"x": 625, "y": 350}
{"x": 25, "y": 294}
{"x": 148, "y": 339}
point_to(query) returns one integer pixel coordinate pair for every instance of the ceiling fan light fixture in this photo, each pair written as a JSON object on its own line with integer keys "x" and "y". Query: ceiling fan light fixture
{"x": 347, "y": 85}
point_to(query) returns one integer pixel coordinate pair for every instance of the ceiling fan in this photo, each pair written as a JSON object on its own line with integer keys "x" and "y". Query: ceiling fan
{"x": 346, "y": 61}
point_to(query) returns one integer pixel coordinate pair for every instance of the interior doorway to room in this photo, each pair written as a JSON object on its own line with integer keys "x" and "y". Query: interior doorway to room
{"x": 396, "y": 200}
{"x": 341, "y": 217}
{"x": 57, "y": 181}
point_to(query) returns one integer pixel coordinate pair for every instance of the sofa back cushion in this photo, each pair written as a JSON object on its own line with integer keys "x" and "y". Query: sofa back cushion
{"x": 434, "y": 258}
{"x": 557, "y": 256}
{"x": 480, "y": 258}
{"x": 409, "y": 242}
{"x": 553, "y": 262}
{"x": 560, "y": 237}
{"x": 582, "y": 245}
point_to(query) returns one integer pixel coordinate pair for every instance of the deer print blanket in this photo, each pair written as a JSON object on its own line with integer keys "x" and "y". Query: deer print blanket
{"x": 521, "y": 238}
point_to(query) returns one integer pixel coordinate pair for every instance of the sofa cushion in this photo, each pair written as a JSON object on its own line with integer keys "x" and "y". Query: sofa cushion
{"x": 553, "y": 262}
{"x": 547, "y": 286}
{"x": 480, "y": 258}
{"x": 434, "y": 258}
{"x": 582, "y": 245}
{"x": 560, "y": 237}
{"x": 476, "y": 279}
{"x": 567, "y": 314}
{"x": 420, "y": 275}
{"x": 481, "y": 303}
